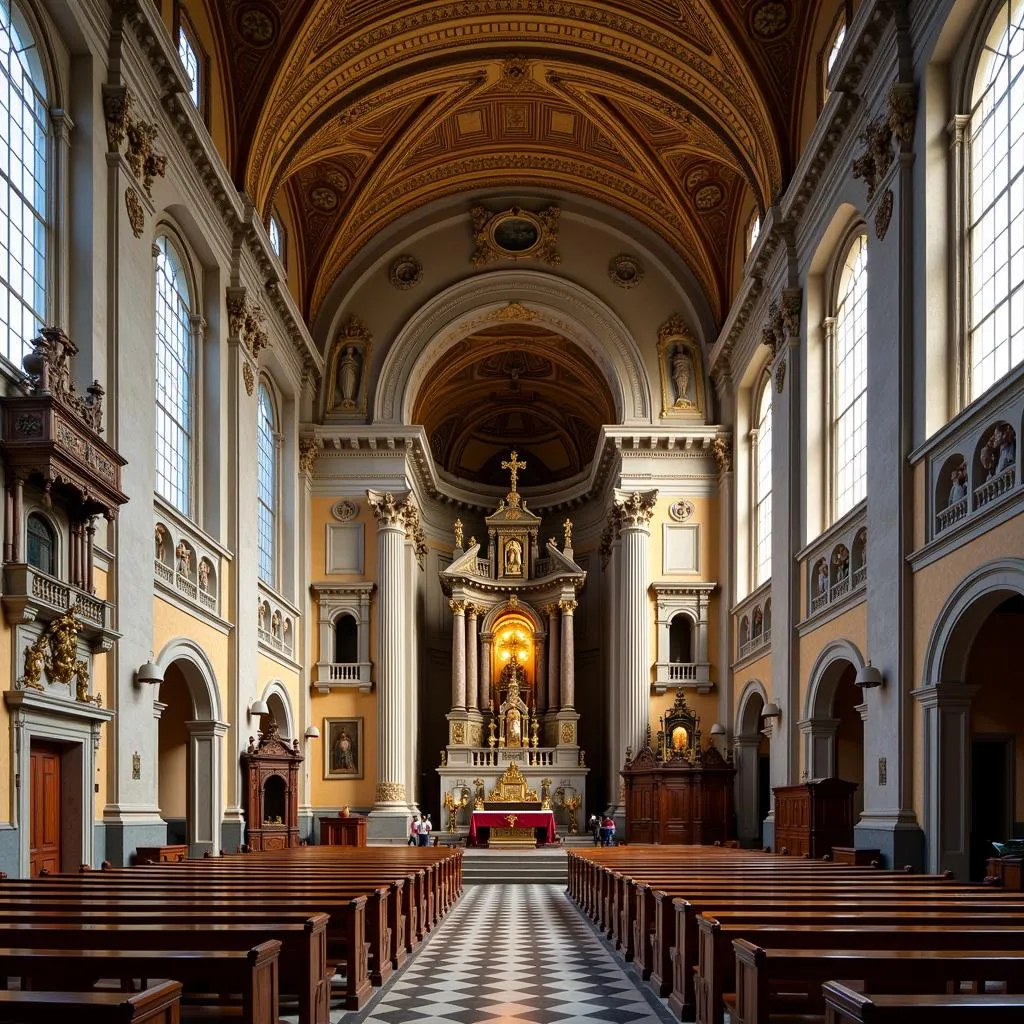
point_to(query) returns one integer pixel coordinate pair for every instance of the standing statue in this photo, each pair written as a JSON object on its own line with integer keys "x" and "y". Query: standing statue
{"x": 348, "y": 377}
{"x": 567, "y": 526}
{"x": 513, "y": 558}
{"x": 682, "y": 371}
{"x": 458, "y": 533}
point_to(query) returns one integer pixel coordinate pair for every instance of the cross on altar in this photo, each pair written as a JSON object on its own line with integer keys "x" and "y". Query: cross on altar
{"x": 514, "y": 465}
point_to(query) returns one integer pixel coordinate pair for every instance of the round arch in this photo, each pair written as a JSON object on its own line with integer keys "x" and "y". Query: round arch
{"x": 748, "y": 749}
{"x": 748, "y": 714}
{"x": 523, "y": 609}
{"x": 513, "y": 296}
{"x": 199, "y": 673}
{"x": 275, "y": 691}
{"x": 823, "y": 679}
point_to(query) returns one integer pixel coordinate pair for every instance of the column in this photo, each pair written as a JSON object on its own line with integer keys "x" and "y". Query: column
{"x": 486, "y": 646}
{"x": 613, "y": 681}
{"x": 553, "y": 657}
{"x": 541, "y": 662}
{"x": 390, "y": 810}
{"x": 568, "y": 656}
{"x": 472, "y": 680}
{"x": 635, "y": 511}
{"x": 458, "y": 654}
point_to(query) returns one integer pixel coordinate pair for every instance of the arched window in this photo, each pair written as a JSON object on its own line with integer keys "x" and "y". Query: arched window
{"x": 175, "y": 374}
{"x": 763, "y": 487}
{"x": 276, "y": 235}
{"x": 23, "y": 178}
{"x": 266, "y": 485}
{"x": 680, "y": 640}
{"x": 996, "y": 217}
{"x": 753, "y": 231}
{"x": 346, "y": 640}
{"x": 42, "y": 544}
{"x": 849, "y": 381}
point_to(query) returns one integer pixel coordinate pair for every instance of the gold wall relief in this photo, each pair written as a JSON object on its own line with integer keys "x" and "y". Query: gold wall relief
{"x": 515, "y": 234}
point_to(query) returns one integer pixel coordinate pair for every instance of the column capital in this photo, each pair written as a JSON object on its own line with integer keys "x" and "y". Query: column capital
{"x": 388, "y": 509}
{"x": 634, "y": 509}
{"x": 947, "y": 696}
{"x": 472, "y": 611}
{"x": 957, "y": 129}
{"x": 567, "y": 607}
{"x": 458, "y": 607}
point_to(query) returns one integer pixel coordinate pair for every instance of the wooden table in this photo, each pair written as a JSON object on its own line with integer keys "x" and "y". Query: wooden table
{"x": 170, "y": 854}
{"x": 350, "y": 831}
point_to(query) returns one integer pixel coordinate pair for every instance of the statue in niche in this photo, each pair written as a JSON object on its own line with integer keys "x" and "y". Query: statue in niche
{"x": 513, "y": 558}
{"x": 184, "y": 556}
{"x": 680, "y": 739}
{"x": 161, "y": 542}
{"x": 204, "y": 575}
{"x": 348, "y": 378}
{"x": 821, "y": 582}
{"x": 1004, "y": 443}
{"x": 958, "y": 484}
{"x": 682, "y": 378}
{"x": 275, "y": 623}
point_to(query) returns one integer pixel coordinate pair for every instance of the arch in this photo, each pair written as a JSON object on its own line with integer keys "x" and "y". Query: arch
{"x": 42, "y": 548}
{"x": 275, "y": 691}
{"x": 527, "y": 611}
{"x": 551, "y": 302}
{"x": 821, "y": 691}
{"x": 199, "y": 674}
{"x": 346, "y": 638}
{"x": 748, "y": 714}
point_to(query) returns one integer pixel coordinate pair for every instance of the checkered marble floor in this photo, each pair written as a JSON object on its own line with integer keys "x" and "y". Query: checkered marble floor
{"x": 515, "y": 954}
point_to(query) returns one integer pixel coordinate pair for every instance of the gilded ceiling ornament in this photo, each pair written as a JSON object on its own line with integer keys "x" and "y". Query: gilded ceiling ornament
{"x": 515, "y": 234}
{"x": 681, "y": 510}
{"x": 345, "y": 510}
{"x": 513, "y": 312}
{"x": 883, "y": 215}
{"x": 323, "y": 198}
{"x": 136, "y": 215}
{"x": 708, "y": 197}
{"x": 769, "y": 19}
{"x": 405, "y": 272}
{"x": 515, "y": 74}
{"x": 256, "y": 26}
{"x": 626, "y": 271}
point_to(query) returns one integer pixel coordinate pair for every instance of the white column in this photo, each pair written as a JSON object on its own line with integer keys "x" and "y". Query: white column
{"x": 472, "y": 680}
{"x": 635, "y": 512}
{"x": 568, "y": 656}
{"x": 458, "y": 654}
{"x": 613, "y": 683}
{"x": 553, "y": 657}
{"x": 391, "y": 636}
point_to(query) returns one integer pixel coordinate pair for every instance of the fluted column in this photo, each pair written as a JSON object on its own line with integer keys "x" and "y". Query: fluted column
{"x": 635, "y": 511}
{"x": 391, "y": 637}
{"x": 472, "y": 679}
{"x": 541, "y": 663}
{"x": 568, "y": 656}
{"x": 486, "y": 646}
{"x": 553, "y": 659}
{"x": 458, "y": 654}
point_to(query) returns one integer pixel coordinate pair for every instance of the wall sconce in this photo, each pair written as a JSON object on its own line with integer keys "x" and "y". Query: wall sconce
{"x": 149, "y": 673}
{"x": 868, "y": 676}
{"x": 718, "y": 729}
{"x": 312, "y": 732}
{"x": 258, "y": 707}
{"x": 771, "y": 710}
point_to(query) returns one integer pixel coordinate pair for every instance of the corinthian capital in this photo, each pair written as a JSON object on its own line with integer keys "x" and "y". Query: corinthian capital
{"x": 388, "y": 509}
{"x": 634, "y": 508}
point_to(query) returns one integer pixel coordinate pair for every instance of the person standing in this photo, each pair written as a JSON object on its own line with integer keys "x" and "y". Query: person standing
{"x": 414, "y": 830}
{"x": 607, "y": 830}
{"x": 427, "y": 828}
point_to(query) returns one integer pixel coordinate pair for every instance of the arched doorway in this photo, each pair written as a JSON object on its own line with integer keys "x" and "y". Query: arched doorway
{"x": 752, "y": 758}
{"x": 973, "y": 727}
{"x": 833, "y": 729}
{"x": 280, "y": 707}
{"x": 190, "y": 749}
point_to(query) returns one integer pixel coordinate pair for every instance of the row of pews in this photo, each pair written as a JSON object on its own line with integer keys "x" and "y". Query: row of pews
{"x": 776, "y": 940}
{"x": 242, "y": 930}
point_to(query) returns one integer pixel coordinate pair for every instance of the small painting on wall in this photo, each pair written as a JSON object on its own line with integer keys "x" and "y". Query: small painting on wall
{"x": 343, "y": 748}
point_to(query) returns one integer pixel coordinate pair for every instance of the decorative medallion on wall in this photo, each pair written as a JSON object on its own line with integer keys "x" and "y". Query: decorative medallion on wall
{"x": 681, "y": 510}
{"x": 347, "y": 380}
{"x": 883, "y": 215}
{"x": 515, "y": 234}
{"x": 406, "y": 272}
{"x": 682, "y": 375}
{"x": 324, "y": 198}
{"x": 344, "y": 511}
{"x": 256, "y": 26}
{"x": 707, "y": 197}
{"x": 136, "y": 215}
{"x": 626, "y": 271}
{"x": 249, "y": 377}
{"x": 770, "y": 19}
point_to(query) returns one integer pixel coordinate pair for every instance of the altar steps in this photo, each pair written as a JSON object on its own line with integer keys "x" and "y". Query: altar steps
{"x": 523, "y": 867}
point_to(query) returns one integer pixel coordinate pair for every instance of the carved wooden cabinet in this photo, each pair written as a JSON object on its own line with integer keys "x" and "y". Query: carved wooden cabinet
{"x": 271, "y": 770}
{"x": 814, "y": 817}
{"x": 347, "y": 831}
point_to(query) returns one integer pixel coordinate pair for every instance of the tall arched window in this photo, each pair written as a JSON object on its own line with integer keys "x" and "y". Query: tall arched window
{"x": 266, "y": 485}
{"x": 763, "y": 487}
{"x": 175, "y": 375}
{"x": 23, "y": 173}
{"x": 42, "y": 545}
{"x": 849, "y": 381}
{"x": 996, "y": 218}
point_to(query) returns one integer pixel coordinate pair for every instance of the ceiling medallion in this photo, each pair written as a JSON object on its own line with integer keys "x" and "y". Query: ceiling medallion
{"x": 406, "y": 272}
{"x": 515, "y": 234}
{"x": 344, "y": 511}
{"x": 770, "y": 19}
{"x": 696, "y": 177}
{"x": 681, "y": 510}
{"x": 708, "y": 197}
{"x": 256, "y": 26}
{"x": 515, "y": 73}
{"x": 323, "y": 198}
{"x": 626, "y": 271}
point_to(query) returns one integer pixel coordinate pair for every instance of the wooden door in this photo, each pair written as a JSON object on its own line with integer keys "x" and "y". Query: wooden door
{"x": 44, "y": 809}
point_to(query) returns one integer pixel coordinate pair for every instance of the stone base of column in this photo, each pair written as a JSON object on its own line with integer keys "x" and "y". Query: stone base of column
{"x": 466, "y": 728}
{"x": 567, "y": 733}
{"x": 896, "y": 835}
{"x": 389, "y": 818}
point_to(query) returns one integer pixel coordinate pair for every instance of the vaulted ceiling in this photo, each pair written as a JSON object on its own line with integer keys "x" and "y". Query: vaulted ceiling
{"x": 678, "y": 112}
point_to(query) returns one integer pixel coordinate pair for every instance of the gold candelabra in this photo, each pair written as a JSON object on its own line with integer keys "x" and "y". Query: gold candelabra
{"x": 571, "y": 804}
{"x": 453, "y": 806}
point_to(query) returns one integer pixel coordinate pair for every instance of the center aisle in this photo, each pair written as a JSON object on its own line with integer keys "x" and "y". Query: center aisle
{"x": 515, "y": 953}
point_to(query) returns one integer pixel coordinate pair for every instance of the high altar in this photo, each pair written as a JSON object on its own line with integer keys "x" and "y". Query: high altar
{"x": 513, "y": 696}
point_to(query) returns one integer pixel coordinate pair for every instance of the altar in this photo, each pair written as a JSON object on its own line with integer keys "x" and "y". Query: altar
{"x": 503, "y": 822}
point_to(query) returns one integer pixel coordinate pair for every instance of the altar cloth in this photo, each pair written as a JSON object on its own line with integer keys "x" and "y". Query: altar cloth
{"x": 524, "y": 819}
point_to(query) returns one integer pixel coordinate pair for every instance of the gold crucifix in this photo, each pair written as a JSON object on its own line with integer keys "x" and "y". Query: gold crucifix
{"x": 514, "y": 465}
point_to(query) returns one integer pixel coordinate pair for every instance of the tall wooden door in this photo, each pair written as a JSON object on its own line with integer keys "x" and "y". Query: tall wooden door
{"x": 44, "y": 809}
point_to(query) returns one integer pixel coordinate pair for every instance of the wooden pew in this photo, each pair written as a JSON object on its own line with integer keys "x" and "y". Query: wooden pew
{"x": 845, "y": 1005}
{"x": 762, "y": 973}
{"x": 252, "y": 972}
{"x": 156, "y": 1005}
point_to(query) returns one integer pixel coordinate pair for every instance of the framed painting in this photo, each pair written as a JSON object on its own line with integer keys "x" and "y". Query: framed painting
{"x": 343, "y": 748}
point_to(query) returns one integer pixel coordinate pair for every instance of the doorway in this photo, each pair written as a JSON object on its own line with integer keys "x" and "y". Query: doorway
{"x": 992, "y": 761}
{"x": 44, "y": 808}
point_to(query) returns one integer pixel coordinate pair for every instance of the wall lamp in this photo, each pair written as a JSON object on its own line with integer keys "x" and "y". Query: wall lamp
{"x": 258, "y": 707}
{"x": 868, "y": 676}
{"x": 771, "y": 710}
{"x": 312, "y": 732}
{"x": 149, "y": 673}
{"x": 718, "y": 729}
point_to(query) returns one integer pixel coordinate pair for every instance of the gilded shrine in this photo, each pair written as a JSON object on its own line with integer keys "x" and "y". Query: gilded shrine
{"x": 513, "y": 701}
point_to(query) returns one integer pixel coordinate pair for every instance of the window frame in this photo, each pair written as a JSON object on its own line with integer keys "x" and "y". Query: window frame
{"x": 750, "y": 238}
{"x": 841, "y": 21}
{"x": 275, "y": 221}
{"x": 265, "y": 387}
{"x": 54, "y": 537}
{"x": 760, "y": 392}
{"x": 181, "y": 253}
{"x": 184, "y": 25}
{"x": 856, "y": 233}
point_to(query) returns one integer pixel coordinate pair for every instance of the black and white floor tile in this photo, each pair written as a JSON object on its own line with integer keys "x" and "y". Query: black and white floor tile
{"x": 515, "y": 954}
